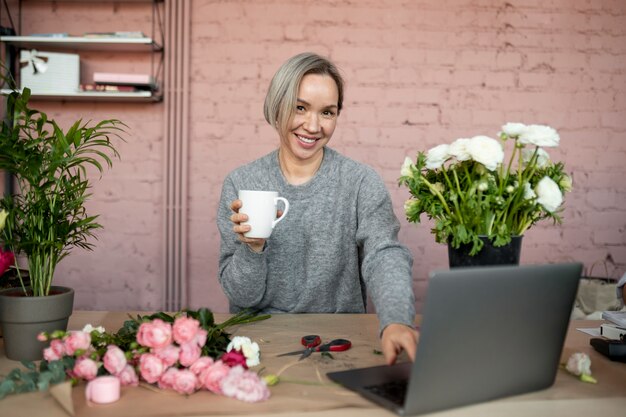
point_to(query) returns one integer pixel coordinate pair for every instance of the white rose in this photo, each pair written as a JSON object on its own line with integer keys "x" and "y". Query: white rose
{"x": 549, "y": 194}
{"x": 513, "y": 129}
{"x": 405, "y": 171}
{"x": 486, "y": 150}
{"x": 540, "y": 135}
{"x": 458, "y": 149}
{"x": 543, "y": 159}
{"x": 436, "y": 156}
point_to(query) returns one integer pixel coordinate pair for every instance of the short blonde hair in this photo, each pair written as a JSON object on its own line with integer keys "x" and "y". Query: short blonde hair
{"x": 282, "y": 93}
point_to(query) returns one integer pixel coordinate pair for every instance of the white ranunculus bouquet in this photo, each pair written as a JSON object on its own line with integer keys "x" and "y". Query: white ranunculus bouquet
{"x": 470, "y": 190}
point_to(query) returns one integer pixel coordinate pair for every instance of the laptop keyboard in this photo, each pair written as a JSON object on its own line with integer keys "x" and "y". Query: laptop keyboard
{"x": 394, "y": 391}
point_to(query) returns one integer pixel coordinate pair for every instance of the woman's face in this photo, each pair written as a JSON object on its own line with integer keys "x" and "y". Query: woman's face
{"x": 314, "y": 118}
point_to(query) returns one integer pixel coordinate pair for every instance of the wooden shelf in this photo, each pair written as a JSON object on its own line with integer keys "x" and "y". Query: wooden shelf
{"x": 113, "y": 44}
{"x": 135, "y": 96}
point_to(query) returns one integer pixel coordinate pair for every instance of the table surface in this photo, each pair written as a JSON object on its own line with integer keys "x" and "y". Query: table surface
{"x": 304, "y": 389}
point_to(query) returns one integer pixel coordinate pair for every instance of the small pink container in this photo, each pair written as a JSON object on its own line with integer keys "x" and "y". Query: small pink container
{"x": 103, "y": 390}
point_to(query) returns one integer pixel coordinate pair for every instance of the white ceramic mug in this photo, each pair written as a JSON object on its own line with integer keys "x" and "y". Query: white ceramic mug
{"x": 261, "y": 206}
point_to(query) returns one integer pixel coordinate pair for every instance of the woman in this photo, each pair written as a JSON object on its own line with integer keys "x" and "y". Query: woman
{"x": 340, "y": 235}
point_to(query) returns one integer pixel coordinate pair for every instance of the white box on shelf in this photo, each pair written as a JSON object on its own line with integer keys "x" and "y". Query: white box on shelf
{"x": 45, "y": 72}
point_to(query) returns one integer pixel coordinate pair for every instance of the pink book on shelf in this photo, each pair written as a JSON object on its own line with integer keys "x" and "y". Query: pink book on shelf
{"x": 117, "y": 78}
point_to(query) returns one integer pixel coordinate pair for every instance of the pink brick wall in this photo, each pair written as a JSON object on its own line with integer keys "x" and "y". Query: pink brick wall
{"x": 418, "y": 73}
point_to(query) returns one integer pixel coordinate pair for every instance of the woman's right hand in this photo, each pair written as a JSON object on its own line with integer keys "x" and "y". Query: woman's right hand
{"x": 256, "y": 244}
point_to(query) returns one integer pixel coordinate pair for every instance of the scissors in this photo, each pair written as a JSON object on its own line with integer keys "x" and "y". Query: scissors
{"x": 313, "y": 343}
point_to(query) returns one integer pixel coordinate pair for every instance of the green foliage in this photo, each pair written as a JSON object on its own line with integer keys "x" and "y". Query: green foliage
{"x": 47, "y": 218}
{"x": 466, "y": 200}
{"x": 35, "y": 377}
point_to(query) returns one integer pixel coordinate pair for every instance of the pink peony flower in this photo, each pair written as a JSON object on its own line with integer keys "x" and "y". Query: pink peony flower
{"x": 234, "y": 358}
{"x": 85, "y": 368}
{"x": 201, "y": 364}
{"x": 77, "y": 341}
{"x": 201, "y": 337}
{"x": 128, "y": 376}
{"x": 212, "y": 376}
{"x": 55, "y": 351}
{"x": 189, "y": 353}
{"x": 167, "y": 379}
{"x": 185, "y": 382}
{"x": 151, "y": 367}
{"x": 155, "y": 334}
{"x": 244, "y": 385}
{"x": 185, "y": 329}
{"x": 168, "y": 354}
{"x": 114, "y": 360}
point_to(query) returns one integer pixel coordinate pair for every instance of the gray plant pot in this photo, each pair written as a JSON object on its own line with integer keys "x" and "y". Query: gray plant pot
{"x": 23, "y": 318}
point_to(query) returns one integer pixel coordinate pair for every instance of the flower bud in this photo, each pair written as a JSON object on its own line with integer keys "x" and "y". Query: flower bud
{"x": 483, "y": 186}
{"x": 3, "y": 218}
{"x": 57, "y": 334}
{"x": 510, "y": 189}
{"x": 566, "y": 183}
{"x": 271, "y": 380}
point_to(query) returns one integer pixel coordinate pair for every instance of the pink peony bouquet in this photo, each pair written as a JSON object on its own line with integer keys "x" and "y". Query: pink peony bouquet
{"x": 172, "y": 355}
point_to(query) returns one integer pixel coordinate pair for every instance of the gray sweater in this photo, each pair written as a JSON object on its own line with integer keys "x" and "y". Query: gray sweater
{"x": 338, "y": 239}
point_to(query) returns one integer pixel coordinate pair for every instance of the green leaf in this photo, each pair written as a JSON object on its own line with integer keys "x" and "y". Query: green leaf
{"x": 7, "y": 387}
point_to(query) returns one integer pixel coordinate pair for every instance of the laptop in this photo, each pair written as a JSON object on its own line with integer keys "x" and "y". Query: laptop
{"x": 486, "y": 333}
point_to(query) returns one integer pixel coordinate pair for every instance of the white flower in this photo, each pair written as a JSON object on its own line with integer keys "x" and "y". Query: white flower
{"x": 405, "y": 171}
{"x": 579, "y": 364}
{"x": 513, "y": 129}
{"x": 510, "y": 189}
{"x": 528, "y": 191}
{"x": 89, "y": 328}
{"x": 486, "y": 150}
{"x": 548, "y": 194}
{"x": 436, "y": 156}
{"x": 458, "y": 149}
{"x": 543, "y": 159}
{"x": 483, "y": 186}
{"x": 246, "y": 346}
{"x": 540, "y": 135}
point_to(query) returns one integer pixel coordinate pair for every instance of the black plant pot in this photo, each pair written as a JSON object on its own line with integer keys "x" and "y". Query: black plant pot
{"x": 489, "y": 255}
{"x": 24, "y": 317}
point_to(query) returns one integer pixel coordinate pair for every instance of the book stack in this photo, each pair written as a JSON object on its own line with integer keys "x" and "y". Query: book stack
{"x": 119, "y": 82}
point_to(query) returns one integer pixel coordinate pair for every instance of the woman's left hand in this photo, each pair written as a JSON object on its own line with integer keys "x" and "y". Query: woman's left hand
{"x": 396, "y": 338}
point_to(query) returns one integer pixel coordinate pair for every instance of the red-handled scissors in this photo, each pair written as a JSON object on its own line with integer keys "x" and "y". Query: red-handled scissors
{"x": 313, "y": 343}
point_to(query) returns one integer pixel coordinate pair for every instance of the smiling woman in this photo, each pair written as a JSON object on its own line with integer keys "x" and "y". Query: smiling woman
{"x": 339, "y": 240}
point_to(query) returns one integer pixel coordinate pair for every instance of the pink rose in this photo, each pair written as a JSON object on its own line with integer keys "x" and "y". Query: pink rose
{"x": 189, "y": 353}
{"x": 128, "y": 376}
{"x": 169, "y": 354}
{"x": 167, "y": 379}
{"x": 244, "y": 385}
{"x": 151, "y": 367}
{"x": 201, "y": 336}
{"x": 114, "y": 360}
{"x": 185, "y": 329}
{"x": 85, "y": 368}
{"x": 77, "y": 341}
{"x": 234, "y": 358}
{"x": 212, "y": 376}
{"x": 155, "y": 334}
{"x": 185, "y": 382}
{"x": 55, "y": 351}
{"x": 201, "y": 364}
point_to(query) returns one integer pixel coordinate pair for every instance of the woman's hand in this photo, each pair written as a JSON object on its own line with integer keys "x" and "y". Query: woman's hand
{"x": 256, "y": 244}
{"x": 396, "y": 338}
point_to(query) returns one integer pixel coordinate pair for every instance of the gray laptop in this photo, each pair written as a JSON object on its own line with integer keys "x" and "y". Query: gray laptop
{"x": 486, "y": 333}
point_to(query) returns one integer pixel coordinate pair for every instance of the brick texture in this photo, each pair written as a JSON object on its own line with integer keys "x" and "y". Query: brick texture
{"x": 418, "y": 73}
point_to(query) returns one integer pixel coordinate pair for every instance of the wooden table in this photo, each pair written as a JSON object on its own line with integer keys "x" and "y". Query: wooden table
{"x": 304, "y": 389}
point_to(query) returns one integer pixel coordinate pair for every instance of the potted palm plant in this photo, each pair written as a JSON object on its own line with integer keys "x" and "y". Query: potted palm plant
{"x": 483, "y": 203}
{"x": 46, "y": 218}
